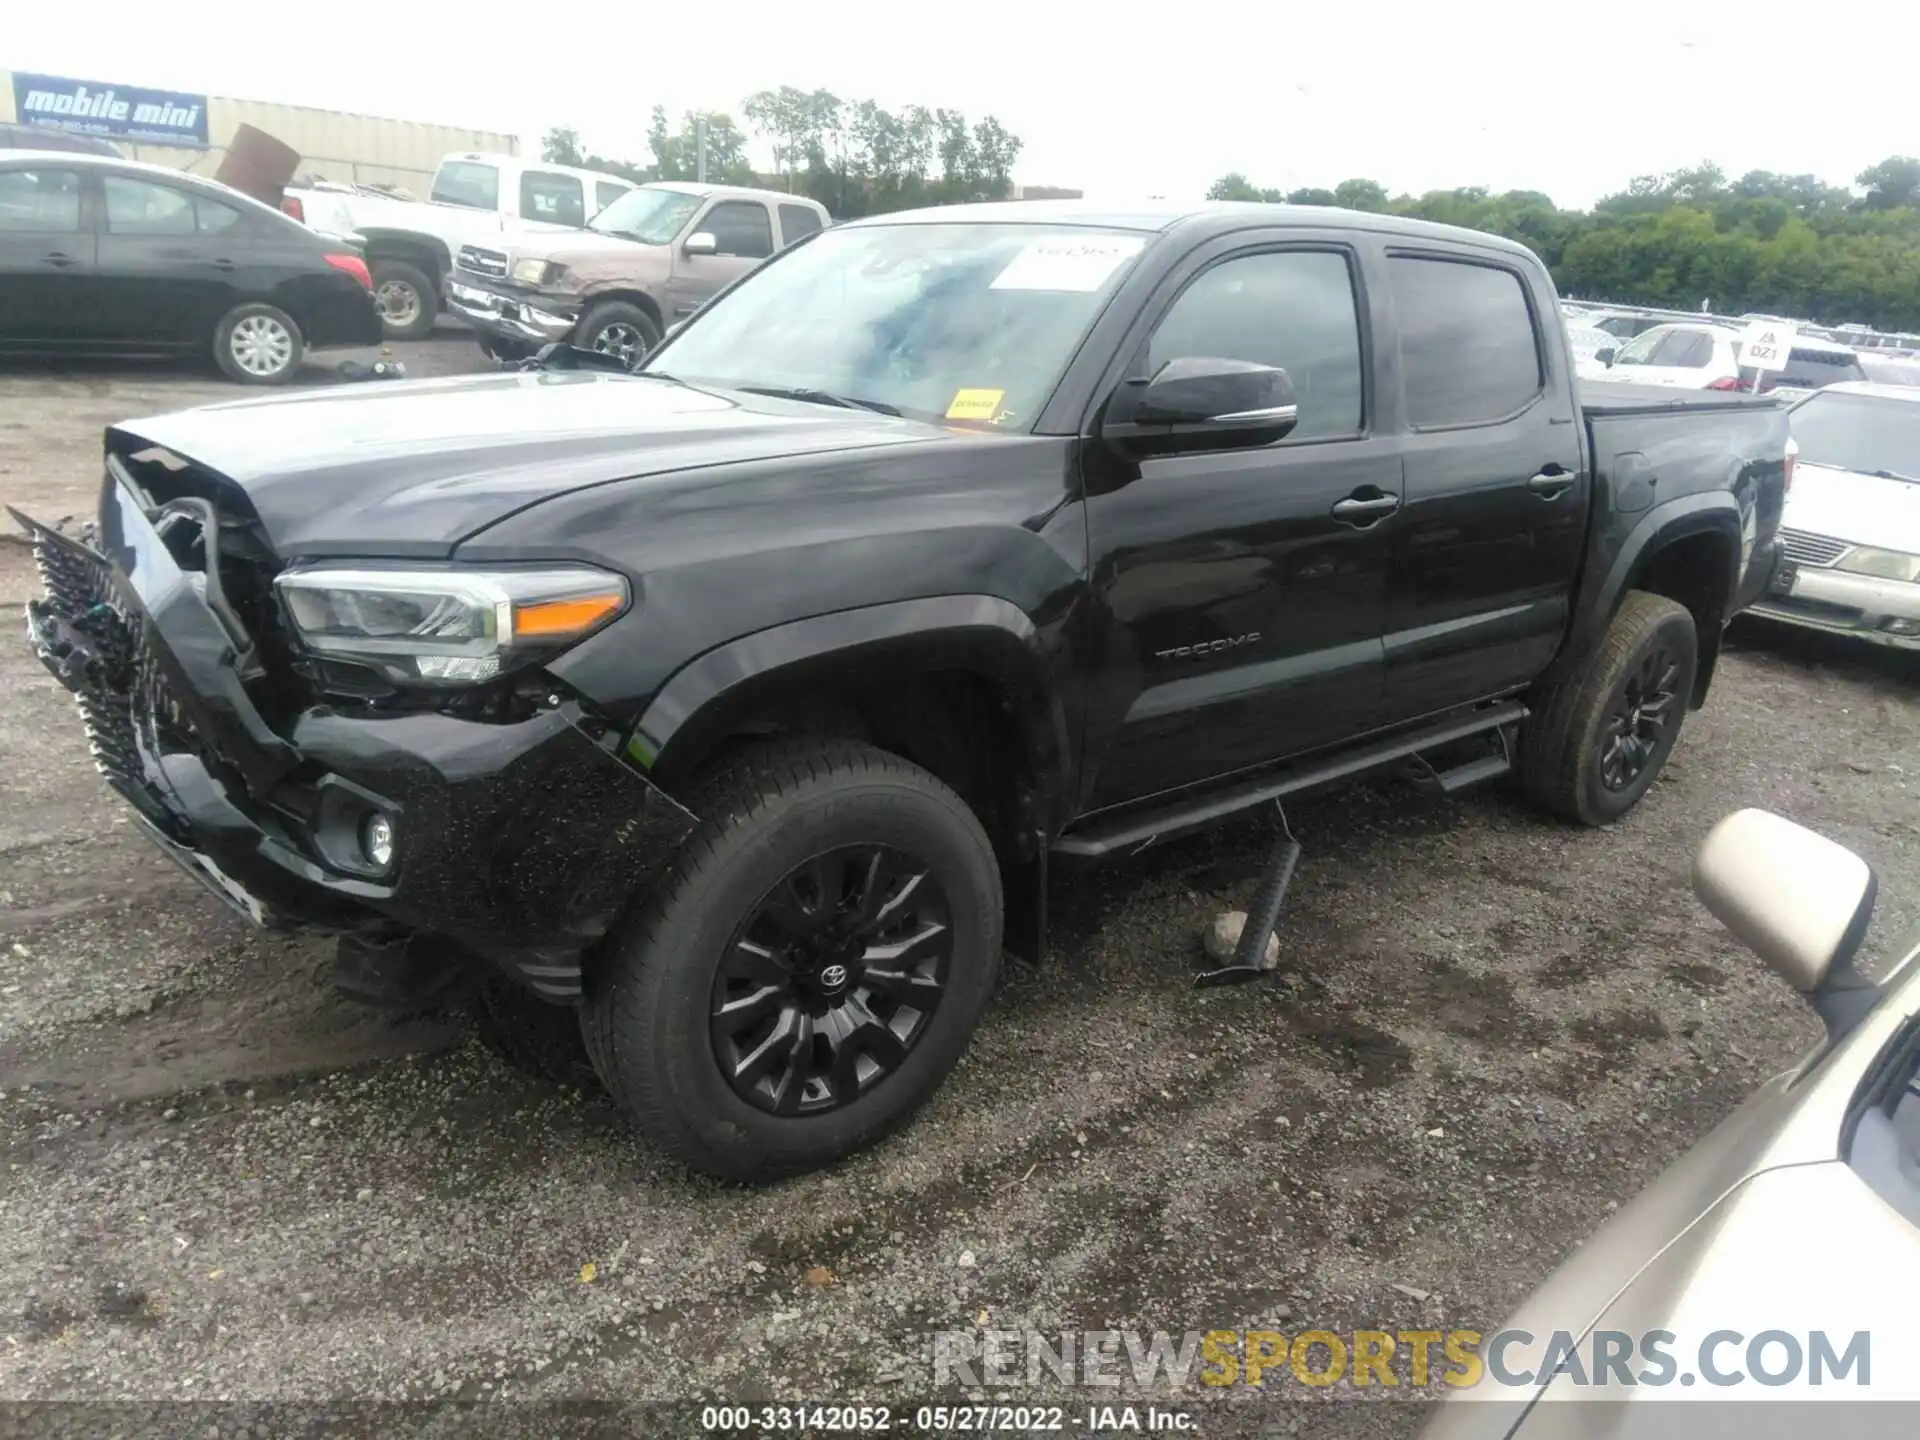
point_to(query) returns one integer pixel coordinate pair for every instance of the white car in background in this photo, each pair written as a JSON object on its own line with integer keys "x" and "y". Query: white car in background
{"x": 1706, "y": 356}
{"x": 1852, "y": 522}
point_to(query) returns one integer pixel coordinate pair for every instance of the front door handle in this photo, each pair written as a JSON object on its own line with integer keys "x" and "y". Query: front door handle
{"x": 226, "y": 266}
{"x": 1364, "y": 510}
{"x": 1551, "y": 484}
{"x": 60, "y": 259}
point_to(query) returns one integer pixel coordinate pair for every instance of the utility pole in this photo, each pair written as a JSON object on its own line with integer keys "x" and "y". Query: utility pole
{"x": 700, "y": 148}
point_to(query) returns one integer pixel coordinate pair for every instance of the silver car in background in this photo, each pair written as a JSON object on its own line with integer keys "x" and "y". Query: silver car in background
{"x": 1795, "y": 1218}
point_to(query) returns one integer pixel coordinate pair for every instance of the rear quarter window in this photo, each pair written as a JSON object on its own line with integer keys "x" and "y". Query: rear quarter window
{"x": 797, "y": 222}
{"x": 1469, "y": 352}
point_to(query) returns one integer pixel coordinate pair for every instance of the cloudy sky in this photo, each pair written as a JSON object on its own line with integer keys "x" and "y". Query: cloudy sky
{"x": 1119, "y": 100}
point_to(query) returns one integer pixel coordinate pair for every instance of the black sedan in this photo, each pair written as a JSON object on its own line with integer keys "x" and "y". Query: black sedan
{"x": 107, "y": 256}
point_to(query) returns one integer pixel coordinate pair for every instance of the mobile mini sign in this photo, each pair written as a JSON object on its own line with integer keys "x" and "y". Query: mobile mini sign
{"x": 117, "y": 112}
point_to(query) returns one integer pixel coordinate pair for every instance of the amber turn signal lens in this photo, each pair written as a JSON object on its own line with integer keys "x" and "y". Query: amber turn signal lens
{"x": 558, "y": 619}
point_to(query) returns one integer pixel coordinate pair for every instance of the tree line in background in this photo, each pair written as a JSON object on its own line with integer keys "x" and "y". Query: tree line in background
{"x": 1778, "y": 244}
{"x": 855, "y": 157}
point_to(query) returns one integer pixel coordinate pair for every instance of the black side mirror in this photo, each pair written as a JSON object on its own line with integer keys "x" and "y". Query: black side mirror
{"x": 1201, "y": 403}
{"x": 1605, "y": 357}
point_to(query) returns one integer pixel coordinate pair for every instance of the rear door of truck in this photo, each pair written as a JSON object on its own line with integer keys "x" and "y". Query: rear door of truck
{"x": 1497, "y": 491}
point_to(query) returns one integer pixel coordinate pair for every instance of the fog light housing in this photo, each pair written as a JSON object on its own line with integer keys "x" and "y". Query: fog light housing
{"x": 376, "y": 838}
{"x": 1903, "y": 627}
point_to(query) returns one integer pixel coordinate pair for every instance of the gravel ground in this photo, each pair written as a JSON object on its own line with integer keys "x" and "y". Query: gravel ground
{"x": 1488, "y": 1030}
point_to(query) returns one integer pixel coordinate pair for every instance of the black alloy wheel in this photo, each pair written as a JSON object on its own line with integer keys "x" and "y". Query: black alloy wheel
{"x": 1636, "y": 724}
{"x": 831, "y": 980}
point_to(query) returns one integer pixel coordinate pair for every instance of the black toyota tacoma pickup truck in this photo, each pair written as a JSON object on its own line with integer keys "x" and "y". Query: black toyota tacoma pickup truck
{"x": 735, "y": 709}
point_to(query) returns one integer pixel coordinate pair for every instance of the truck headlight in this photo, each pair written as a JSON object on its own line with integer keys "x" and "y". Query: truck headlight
{"x": 537, "y": 272}
{"x": 424, "y": 626}
{"x": 1883, "y": 564}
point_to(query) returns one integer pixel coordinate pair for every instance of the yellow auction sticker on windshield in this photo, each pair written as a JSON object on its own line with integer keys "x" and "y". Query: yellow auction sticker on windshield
{"x": 975, "y": 404}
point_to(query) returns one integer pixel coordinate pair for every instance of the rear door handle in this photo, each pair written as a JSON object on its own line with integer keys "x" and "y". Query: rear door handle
{"x": 1551, "y": 484}
{"x": 1364, "y": 510}
{"x": 59, "y": 258}
{"x": 225, "y": 265}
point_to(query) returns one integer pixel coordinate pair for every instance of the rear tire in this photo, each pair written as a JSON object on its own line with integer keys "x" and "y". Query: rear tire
{"x": 1598, "y": 739}
{"x": 258, "y": 344}
{"x": 615, "y": 327}
{"x": 406, "y": 299}
{"x": 888, "y": 879}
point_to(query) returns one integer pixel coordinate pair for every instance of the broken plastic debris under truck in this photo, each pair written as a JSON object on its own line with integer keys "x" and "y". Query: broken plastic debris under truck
{"x": 519, "y": 840}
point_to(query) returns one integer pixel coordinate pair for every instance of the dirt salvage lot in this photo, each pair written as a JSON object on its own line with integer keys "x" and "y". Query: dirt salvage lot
{"x": 223, "y": 1182}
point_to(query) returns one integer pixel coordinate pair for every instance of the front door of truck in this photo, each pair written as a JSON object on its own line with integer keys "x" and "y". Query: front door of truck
{"x": 724, "y": 242}
{"x": 1241, "y": 593}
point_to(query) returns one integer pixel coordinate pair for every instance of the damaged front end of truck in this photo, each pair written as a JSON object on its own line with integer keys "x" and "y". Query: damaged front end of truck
{"x": 440, "y": 833}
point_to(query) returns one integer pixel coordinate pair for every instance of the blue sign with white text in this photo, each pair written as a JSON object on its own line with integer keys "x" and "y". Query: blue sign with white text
{"x": 117, "y": 112}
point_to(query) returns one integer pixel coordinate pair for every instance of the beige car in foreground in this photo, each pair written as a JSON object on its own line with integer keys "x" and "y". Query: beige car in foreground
{"x": 1769, "y": 1282}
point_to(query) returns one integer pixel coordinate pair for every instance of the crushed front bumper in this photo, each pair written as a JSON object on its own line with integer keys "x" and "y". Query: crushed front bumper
{"x": 521, "y": 841}
{"x": 1842, "y": 603}
{"x": 533, "y": 320}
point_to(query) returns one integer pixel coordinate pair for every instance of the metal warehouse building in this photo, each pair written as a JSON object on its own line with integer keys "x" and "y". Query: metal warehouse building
{"x": 191, "y": 132}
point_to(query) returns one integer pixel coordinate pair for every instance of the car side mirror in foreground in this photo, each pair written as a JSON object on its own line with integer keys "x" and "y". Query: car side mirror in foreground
{"x": 701, "y": 243}
{"x": 1605, "y": 357}
{"x": 1796, "y": 899}
{"x": 1201, "y": 403}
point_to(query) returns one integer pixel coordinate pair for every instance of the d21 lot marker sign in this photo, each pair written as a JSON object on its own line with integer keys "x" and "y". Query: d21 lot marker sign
{"x": 1765, "y": 345}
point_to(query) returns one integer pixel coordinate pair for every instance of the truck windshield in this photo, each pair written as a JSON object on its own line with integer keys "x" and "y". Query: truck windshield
{"x": 957, "y": 321}
{"x": 1867, "y": 434}
{"x": 650, "y": 215}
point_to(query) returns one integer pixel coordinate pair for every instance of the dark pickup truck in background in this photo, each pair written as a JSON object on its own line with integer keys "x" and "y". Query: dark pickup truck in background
{"x": 739, "y": 705}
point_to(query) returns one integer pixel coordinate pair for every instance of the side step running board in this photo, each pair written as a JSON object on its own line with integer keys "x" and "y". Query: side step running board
{"x": 1124, "y": 834}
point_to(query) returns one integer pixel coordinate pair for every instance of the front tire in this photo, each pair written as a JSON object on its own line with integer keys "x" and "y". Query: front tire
{"x": 617, "y": 328}
{"x": 1599, "y": 739}
{"x": 258, "y": 344}
{"x": 810, "y": 969}
{"x": 406, "y": 299}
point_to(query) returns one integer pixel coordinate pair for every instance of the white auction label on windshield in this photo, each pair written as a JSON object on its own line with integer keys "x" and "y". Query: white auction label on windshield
{"x": 1068, "y": 262}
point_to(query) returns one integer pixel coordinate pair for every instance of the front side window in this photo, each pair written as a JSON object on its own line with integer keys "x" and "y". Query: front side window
{"x": 40, "y": 201}
{"x": 556, "y": 199}
{"x": 472, "y": 183}
{"x": 1294, "y": 309}
{"x": 1640, "y": 350}
{"x": 136, "y": 207}
{"x": 741, "y": 228}
{"x": 1468, "y": 351}
{"x": 954, "y": 321}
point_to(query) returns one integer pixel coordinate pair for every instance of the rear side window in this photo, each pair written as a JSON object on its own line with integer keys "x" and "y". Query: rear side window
{"x": 1468, "y": 351}
{"x": 557, "y": 199}
{"x": 212, "y": 217}
{"x": 741, "y": 228}
{"x": 467, "y": 182}
{"x": 605, "y": 194}
{"x": 797, "y": 222}
{"x": 1290, "y": 308}
{"x": 42, "y": 201}
{"x": 136, "y": 207}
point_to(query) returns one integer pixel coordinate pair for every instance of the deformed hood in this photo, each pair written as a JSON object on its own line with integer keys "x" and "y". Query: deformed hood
{"x": 411, "y": 468}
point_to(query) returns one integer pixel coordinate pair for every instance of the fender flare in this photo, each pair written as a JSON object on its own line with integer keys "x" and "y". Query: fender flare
{"x": 1711, "y": 513}
{"x": 982, "y": 633}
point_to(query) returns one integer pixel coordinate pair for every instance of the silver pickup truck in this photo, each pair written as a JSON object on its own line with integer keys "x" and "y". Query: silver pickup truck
{"x": 647, "y": 261}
